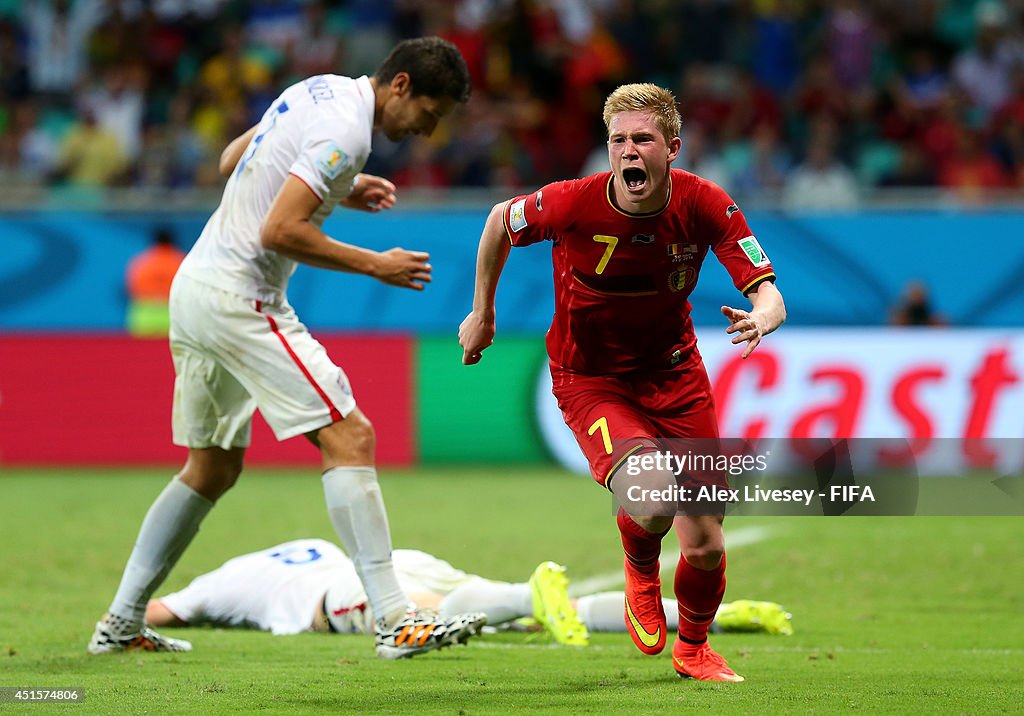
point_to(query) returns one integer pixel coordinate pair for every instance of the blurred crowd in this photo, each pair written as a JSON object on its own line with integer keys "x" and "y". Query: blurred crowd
{"x": 813, "y": 101}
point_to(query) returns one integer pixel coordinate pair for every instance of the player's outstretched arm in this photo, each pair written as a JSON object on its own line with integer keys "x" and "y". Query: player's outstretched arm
{"x": 767, "y": 314}
{"x": 234, "y": 151}
{"x": 477, "y": 332}
{"x": 288, "y": 231}
{"x": 371, "y": 193}
{"x": 157, "y": 615}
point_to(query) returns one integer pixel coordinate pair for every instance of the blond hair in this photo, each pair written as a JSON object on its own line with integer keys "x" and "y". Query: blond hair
{"x": 656, "y": 101}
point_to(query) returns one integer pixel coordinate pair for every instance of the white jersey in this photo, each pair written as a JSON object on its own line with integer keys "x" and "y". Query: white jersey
{"x": 318, "y": 130}
{"x": 281, "y": 589}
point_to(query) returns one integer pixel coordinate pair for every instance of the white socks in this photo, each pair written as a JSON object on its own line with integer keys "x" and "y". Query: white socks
{"x": 356, "y": 509}
{"x": 500, "y": 601}
{"x": 168, "y": 528}
{"x": 603, "y": 612}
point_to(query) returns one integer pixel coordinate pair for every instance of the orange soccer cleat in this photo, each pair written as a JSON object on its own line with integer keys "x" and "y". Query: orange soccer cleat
{"x": 701, "y": 662}
{"x": 645, "y": 614}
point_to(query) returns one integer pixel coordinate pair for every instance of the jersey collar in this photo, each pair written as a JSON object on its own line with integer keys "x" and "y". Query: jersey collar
{"x": 610, "y": 196}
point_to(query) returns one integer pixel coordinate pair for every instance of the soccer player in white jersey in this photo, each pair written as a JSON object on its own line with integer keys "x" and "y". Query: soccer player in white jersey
{"x": 238, "y": 345}
{"x": 311, "y": 585}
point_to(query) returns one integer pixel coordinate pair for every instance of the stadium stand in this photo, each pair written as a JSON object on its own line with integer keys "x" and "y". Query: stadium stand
{"x": 880, "y": 94}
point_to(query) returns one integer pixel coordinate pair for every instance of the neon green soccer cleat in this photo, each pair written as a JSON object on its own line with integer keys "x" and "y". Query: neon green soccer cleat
{"x": 749, "y": 615}
{"x": 552, "y": 608}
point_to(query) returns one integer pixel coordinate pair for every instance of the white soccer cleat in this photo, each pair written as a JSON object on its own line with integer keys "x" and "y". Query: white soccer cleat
{"x": 422, "y": 630}
{"x": 106, "y": 642}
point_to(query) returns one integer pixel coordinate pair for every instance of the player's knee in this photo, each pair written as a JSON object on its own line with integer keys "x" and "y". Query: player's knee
{"x": 706, "y": 556}
{"x": 351, "y": 441}
{"x": 648, "y": 496}
{"x": 362, "y": 436}
{"x": 212, "y": 472}
{"x": 226, "y": 472}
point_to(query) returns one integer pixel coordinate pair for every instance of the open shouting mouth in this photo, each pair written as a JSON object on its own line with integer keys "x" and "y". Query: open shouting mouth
{"x": 635, "y": 179}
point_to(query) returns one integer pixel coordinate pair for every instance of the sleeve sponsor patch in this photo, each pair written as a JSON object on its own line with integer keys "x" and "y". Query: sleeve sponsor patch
{"x": 517, "y": 215}
{"x": 333, "y": 161}
{"x": 754, "y": 251}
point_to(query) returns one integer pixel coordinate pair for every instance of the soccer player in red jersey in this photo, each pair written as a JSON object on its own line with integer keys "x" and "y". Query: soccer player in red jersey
{"x": 627, "y": 247}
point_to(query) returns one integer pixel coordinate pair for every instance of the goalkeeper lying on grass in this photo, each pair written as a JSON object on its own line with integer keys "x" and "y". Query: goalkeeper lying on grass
{"x": 311, "y": 585}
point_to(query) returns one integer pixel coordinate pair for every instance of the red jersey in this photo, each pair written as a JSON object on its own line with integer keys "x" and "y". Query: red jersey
{"x": 622, "y": 281}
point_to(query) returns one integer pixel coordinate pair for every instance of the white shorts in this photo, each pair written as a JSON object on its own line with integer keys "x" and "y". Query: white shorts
{"x": 233, "y": 354}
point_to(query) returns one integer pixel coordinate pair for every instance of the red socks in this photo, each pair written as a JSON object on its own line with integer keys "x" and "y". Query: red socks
{"x": 642, "y": 548}
{"x": 699, "y": 593}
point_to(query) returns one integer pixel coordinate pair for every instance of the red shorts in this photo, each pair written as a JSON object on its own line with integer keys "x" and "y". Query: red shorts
{"x": 615, "y": 416}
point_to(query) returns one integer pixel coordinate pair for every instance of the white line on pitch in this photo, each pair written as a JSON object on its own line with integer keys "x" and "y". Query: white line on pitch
{"x": 740, "y": 537}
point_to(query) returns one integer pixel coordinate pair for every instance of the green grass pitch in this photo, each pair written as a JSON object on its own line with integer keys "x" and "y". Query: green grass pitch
{"x": 892, "y": 615}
